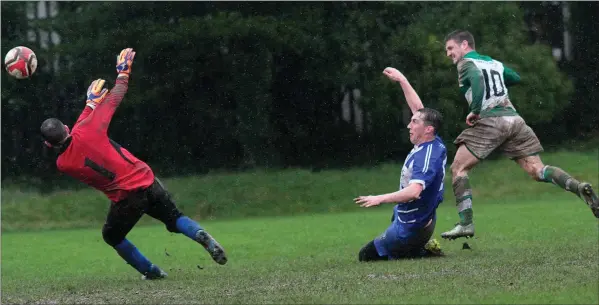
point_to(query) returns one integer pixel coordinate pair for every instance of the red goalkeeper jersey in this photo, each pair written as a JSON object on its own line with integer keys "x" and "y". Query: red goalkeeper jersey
{"x": 96, "y": 160}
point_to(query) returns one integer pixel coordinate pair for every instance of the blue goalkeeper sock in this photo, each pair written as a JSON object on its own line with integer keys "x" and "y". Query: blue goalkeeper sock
{"x": 188, "y": 227}
{"x": 133, "y": 257}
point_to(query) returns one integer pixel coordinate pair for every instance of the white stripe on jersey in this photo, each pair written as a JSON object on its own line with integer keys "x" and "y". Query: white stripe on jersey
{"x": 409, "y": 221}
{"x": 413, "y": 151}
{"x": 408, "y": 211}
{"x": 427, "y": 158}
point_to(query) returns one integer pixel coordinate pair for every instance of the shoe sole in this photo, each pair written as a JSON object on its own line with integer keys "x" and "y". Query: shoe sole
{"x": 452, "y": 237}
{"x": 146, "y": 278}
{"x": 588, "y": 191}
{"x": 150, "y": 277}
{"x": 217, "y": 252}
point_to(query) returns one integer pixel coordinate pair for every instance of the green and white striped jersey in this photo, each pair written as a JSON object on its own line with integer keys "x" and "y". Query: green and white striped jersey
{"x": 484, "y": 81}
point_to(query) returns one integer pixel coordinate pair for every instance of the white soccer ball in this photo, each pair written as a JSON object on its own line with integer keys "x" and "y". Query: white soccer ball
{"x": 20, "y": 62}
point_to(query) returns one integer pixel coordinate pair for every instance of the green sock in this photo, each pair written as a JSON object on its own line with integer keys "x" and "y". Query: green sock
{"x": 559, "y": 177}
{"x": 463, "y": 195}
{"x": 466, "y": 216}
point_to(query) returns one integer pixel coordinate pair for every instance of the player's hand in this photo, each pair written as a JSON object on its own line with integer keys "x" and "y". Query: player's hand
{"x": 124, "y": 61}
{"x": 394, "y": 74}
{"x": 95, "y": 93}
{"x": 472, "y": 118}
{"x": 368, "y": 201}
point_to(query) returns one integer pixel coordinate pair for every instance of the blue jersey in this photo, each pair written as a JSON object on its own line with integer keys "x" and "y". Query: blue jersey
{"x": 424, "y": 165}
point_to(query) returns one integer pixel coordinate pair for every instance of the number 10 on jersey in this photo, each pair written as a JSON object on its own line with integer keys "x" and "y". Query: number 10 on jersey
{"x": 495, "y": 79}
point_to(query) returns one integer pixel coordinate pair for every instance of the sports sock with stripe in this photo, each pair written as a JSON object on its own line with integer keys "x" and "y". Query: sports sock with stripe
{"x": 463, "y": 196}
{"x": 559, "y": 177}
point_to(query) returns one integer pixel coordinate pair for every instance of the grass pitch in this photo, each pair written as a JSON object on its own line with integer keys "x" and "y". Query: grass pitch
{"x": 535, "y": 243}
{"x": 530, "y": 252}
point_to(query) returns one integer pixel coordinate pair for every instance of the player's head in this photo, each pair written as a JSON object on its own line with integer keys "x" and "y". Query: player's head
{"x": 458, "y": 43}
{"x": 54, "y": 132}
{"x": 424, "y": 125}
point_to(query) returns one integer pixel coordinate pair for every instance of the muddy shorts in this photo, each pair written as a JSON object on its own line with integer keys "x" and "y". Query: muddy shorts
{"x": 509, "y": 134}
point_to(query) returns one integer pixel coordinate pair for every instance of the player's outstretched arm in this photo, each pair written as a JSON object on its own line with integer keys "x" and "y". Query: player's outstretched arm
{"x": 411, "y": 192}
{"x": 123, "y": 67}
{"x": 95, "y": 96}
{"x": 104, "y": 112}
{"x": 427, "y": 163}
{"x": 412, "y": 97}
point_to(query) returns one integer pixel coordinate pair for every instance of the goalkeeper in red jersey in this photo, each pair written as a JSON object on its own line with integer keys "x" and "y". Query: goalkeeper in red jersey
{"x": 87, "y": 154}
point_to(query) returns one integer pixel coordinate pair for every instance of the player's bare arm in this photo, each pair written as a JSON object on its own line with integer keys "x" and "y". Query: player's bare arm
{"x": 412, "y": 97}
{"x": 407, "y": 194}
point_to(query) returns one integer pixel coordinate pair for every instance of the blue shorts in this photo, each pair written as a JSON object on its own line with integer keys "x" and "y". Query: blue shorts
{"x": 401, "y": 240}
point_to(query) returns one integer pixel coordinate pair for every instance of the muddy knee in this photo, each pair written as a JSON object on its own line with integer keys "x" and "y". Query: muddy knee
{"x": 454, "y": 170}
{"x": 457, "y": 170}
{"x": 463, "y": 161}
{"x": 536, "y": 175}
{"x": 533, "y": 166}
{"x": 535, "y": 171}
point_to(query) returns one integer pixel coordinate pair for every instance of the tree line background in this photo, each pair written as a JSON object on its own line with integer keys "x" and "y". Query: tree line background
{"x": 237, "y": 85}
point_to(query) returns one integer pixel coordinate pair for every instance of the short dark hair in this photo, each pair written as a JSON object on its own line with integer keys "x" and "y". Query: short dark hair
{"x": 53, "y": 131}
{"x": 461, "y": 35}
{"x": 431, "y": 117}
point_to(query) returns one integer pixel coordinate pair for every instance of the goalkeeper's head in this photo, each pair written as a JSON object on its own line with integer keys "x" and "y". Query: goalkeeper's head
{"x": 54, "y": 132}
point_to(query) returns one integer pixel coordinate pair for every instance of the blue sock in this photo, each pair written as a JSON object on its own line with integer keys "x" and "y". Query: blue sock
{"x": 133, "y": 257}
{"x": 188, "y": 227}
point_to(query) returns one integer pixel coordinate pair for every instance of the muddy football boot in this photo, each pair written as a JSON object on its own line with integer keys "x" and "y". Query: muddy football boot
{"x": 459, "y": 231}
{"x": 155, "y": 273}
{"x": 433, "y": 248}
{"x": 586, "y": 193}
{"x": 212, "y": 246}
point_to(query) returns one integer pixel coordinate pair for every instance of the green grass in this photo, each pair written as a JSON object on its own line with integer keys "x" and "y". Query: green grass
{"x": 285, "y": 192}
{"x": 292, "y": 237}
{"x": 531, "y": 252}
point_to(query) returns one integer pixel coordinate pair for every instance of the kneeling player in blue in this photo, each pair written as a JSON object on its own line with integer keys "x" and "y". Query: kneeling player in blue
{"x": 420, "y": 189}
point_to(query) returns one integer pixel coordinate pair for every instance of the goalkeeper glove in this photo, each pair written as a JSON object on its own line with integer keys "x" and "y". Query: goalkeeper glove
{"x": 124, "y": 61}
{"x": 95, "y": 93}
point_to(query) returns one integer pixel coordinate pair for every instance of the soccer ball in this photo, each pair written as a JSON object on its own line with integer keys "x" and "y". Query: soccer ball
{"x": 20, "y": 62}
